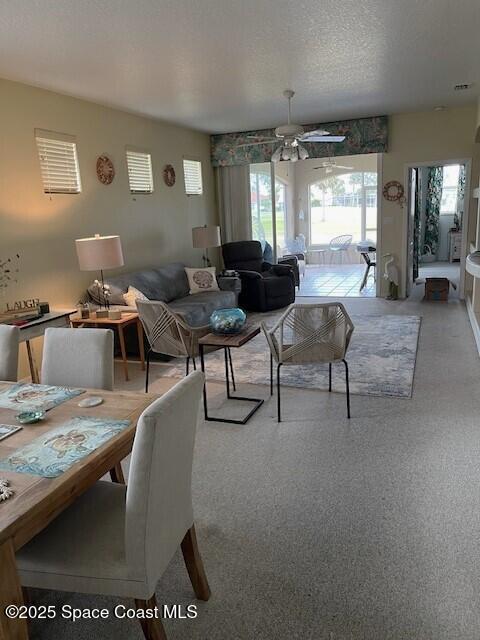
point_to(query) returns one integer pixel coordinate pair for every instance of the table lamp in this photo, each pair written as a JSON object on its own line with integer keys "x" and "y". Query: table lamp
{"x": 97, "y": 254}
{"x": 205, "y": 237}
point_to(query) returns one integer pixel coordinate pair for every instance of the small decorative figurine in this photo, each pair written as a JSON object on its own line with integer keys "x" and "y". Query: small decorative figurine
{"x": 5, "y": 491}
{"x": 104, "y": 294}
{"x": 391, "y": 274}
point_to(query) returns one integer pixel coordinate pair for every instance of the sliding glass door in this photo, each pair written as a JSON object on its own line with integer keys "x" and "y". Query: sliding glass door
{"x": 269, "y": 214}
{"x": 261, "y": 203}
{"x": 281, "y": 195}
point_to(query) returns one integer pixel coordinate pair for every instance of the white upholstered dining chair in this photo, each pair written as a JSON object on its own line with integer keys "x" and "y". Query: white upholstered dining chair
{"x": 9, "y": 339}
{"x": 310, "y": 334}
{"x": 78, "y": 358}
{"x": 118, "y": 541}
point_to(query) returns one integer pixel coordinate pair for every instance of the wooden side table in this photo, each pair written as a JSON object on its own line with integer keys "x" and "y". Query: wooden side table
{"x": 226, "y": 342}
{"x": 126, "y": 319}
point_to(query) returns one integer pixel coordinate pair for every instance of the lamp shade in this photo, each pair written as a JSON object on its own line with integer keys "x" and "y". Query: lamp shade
{"x": 99, "y": 252}
{"x": 205, "y": 237}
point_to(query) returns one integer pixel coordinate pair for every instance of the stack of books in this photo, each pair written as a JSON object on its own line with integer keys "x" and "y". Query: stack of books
{"x": 20, "y": 317}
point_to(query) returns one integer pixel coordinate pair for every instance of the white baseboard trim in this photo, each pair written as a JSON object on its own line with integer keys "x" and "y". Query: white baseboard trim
{"x": 473, "y": 321}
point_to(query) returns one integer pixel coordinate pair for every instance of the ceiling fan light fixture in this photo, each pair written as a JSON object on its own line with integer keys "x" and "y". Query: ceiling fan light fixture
{"x": 286, "y": 153}
{"x": 277, "y": 154}
{"x": 302, "y": 152}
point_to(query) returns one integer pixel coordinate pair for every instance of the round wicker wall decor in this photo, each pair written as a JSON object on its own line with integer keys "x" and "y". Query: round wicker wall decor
{"x": 169, "y": 175}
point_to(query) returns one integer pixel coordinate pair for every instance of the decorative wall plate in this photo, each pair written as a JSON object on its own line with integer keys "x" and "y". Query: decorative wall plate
{"x": 105, "y": 170}
{"x": 169, "y": 175}
{"x": 393, "y": 191}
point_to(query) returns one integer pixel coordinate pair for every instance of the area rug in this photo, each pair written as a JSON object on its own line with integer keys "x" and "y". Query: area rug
{"x": 381, "y": 359}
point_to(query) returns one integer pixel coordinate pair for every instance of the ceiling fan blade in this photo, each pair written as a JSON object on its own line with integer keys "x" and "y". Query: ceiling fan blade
{"x": 315, "y": 132}
{"x": 322, "y": 139}
{"x": 331, "y": 167}
{"x": 253, "y": 144}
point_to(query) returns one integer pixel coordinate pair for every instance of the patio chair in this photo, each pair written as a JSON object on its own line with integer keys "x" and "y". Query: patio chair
{"x": 310, "y": 334}
{"x": 339, "y": 245}
{"x": 296, "y": 248}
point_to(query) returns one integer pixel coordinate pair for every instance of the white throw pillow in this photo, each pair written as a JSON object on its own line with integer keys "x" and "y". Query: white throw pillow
{"x": 132, "y": 296}
{"x": 201, "y": 279}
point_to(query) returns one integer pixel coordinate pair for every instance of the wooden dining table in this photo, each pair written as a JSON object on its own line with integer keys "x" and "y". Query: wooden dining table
{"x": 38, "y": 500}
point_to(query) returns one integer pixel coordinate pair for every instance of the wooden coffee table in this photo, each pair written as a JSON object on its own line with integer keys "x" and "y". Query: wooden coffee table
{"x": 227, "y": 342}
{"x": 127, "y": 318}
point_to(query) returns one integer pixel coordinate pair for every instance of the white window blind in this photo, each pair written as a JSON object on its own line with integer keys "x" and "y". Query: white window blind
{"x": 58, "y": 162}
{"x": 192, "y": 171}
{"x": 140, "y": 174}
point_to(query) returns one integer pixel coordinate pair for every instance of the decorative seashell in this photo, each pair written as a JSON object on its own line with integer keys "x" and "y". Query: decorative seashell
{"x": 5, "y": 491}
{"x": 5, "y": 494}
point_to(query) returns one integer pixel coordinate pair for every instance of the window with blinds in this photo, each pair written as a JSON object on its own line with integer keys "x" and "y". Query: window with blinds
{"x": 58, "y": 162}
{"x": 192, "y": 171}
{"x": 140, "y": 174}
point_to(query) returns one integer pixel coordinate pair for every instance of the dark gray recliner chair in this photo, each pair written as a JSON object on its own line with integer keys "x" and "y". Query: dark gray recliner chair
{"x": 264, "y": 286}
{"x": 289, "y": 259}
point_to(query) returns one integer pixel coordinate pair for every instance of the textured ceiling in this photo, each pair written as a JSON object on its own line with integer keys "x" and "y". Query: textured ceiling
{"x": 221, "y": 65}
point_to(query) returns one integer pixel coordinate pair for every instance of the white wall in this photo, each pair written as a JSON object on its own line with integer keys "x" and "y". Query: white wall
{"x": 423, "y": 137}
{"x": 154, "y": 228}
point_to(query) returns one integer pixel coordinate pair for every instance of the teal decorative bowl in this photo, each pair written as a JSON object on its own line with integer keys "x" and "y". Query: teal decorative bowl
{"x": 227, "y": 321}
{"x": 30, "y": 417}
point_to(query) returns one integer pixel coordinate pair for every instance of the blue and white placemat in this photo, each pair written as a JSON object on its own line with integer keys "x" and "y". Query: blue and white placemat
{"x": 35, "y": 396}
{"x": 56, "y": 451}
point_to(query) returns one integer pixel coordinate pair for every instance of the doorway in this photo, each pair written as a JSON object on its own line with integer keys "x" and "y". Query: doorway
{"x": 437, "y": 223}
{"x": 324, "y": 209}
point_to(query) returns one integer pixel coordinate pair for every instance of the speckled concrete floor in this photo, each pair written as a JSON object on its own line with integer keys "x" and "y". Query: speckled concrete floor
{"x": 322, "y": 528}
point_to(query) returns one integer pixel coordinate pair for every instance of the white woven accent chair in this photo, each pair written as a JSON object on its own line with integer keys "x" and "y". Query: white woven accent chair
{"x": 9, "y": 339}
{"x": 308, "y": 334}
{"x": 78, "y": 358}
{"x": 168, "y": 333}
{"x": 118, "y": 541}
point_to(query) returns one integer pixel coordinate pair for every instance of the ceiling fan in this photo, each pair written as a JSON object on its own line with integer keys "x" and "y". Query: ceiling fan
{"x": 330, "y": 164}
{"x": 292, "y": 135}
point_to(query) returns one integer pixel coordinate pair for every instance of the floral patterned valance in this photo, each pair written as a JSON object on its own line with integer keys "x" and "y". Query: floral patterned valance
{"x": 364, "y": 135}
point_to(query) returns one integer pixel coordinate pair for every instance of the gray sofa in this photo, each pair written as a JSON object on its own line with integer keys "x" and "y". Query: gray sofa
{"x": 169, "y": 284}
